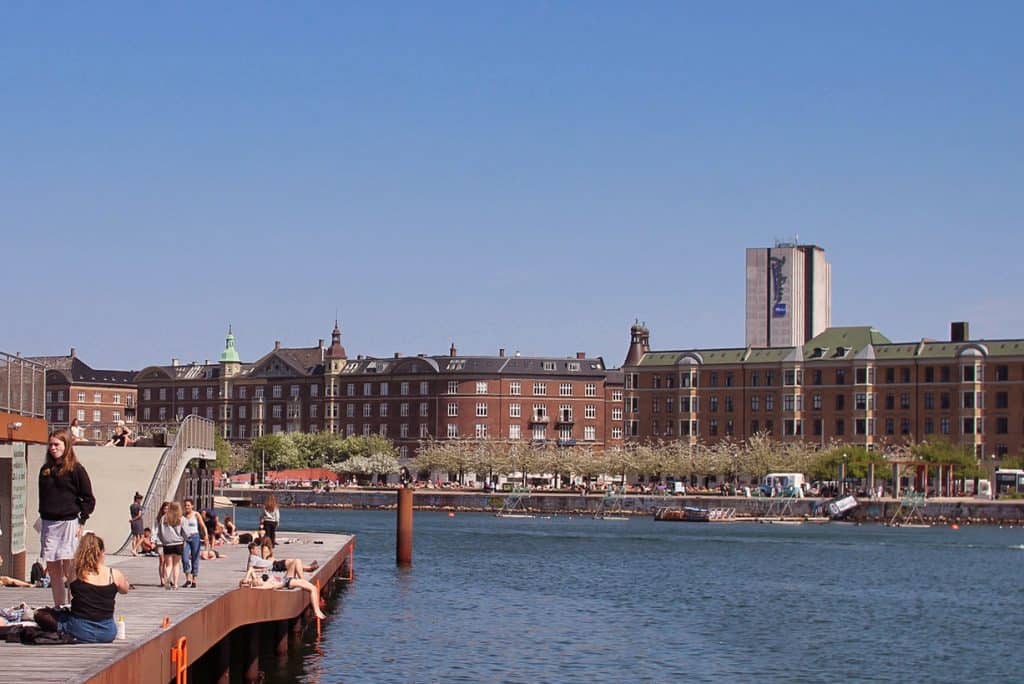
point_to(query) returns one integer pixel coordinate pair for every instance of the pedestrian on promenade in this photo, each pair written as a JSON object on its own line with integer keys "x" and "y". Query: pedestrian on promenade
{"x": 65, "y": 502}
{"x": 195, "y": 533}
{"x": 171, "y": 534}
{"x": 160, "y": 547}
{"x": 135, "y": 520}
{"x": 270, "y": 518}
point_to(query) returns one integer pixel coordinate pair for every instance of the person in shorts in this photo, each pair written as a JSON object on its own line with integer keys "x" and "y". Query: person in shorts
{"x": 65, "y": 502}
{"x": 136, "y": 522}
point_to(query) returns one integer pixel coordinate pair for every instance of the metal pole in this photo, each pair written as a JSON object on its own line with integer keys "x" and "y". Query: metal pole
{"x": 403, "y": 546}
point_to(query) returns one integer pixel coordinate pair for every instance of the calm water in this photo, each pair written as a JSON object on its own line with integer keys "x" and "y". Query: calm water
{"x": 580, "y": 600}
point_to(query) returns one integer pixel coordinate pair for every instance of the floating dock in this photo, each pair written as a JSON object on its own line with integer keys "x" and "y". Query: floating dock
{"x": 205, "y": 624}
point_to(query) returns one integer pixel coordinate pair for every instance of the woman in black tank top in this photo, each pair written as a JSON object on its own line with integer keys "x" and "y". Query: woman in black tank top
{"x": 92, "y": 594}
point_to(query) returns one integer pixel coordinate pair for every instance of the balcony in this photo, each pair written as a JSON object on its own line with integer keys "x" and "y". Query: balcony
{"x": 539, "y": 420}
{"x": 566, "y": 442}
{"x": 565, "y": 419}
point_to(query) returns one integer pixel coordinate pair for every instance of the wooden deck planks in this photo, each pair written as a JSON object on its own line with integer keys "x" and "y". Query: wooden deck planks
{"x": 204, "y": 615}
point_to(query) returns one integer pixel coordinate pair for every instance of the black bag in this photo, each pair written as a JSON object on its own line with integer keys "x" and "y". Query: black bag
{"x": 42, "y": 637}
{"x": 37, "y": 573}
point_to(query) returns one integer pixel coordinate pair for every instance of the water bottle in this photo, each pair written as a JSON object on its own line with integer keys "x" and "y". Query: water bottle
{"x": 121, "y": 632}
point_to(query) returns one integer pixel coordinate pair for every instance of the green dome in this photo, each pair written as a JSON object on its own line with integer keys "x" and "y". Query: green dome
{"x": 230, "y": 354}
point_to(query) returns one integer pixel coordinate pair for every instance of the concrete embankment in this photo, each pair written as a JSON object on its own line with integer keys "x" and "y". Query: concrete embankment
{"x": 880, "y": 510}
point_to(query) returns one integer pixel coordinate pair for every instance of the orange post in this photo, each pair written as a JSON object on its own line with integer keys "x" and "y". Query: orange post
{"x": 351, "y": 560}
{"x": 403, "y": 550}
{"x": 179, "y": 658}
{"x": 321, "y": 600}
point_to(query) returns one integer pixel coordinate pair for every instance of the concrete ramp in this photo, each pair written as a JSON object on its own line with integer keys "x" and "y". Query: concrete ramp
{"x": 116, "y": 474}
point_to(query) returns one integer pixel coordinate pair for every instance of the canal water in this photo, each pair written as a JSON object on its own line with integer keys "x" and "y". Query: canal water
{"x": 581, "y": 600}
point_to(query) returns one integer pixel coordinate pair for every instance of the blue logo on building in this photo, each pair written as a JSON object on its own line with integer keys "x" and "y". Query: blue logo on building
{"x": 779, "y": 310}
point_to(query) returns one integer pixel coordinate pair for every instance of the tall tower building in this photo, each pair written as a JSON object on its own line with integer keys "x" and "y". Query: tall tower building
{"x": 789, "y": 294}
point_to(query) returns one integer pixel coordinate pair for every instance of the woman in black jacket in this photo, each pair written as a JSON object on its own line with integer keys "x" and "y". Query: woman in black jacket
{"x": 65, "y": 502}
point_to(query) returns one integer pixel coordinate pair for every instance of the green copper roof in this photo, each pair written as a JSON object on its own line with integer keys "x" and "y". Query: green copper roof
{"x": 230, "y": 354}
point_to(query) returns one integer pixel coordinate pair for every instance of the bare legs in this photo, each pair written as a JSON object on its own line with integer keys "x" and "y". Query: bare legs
{"x": 59, "y": 571}
{"x": 171, "y": 569}
{"x": 314, "y": 595}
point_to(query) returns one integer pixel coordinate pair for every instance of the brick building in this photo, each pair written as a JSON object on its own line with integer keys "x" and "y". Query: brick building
{"x": 407, "y": 399}
{"x": 850, "y": 384}
{"x": 97, "y": 398}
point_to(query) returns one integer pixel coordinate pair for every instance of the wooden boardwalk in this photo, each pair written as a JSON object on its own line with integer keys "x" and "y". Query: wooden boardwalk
{"x": 204, "y": 615}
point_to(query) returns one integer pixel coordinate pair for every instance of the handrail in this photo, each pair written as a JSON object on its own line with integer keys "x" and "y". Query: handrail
{"x": 193, "y": 433}
{"x": 22, "y": 386}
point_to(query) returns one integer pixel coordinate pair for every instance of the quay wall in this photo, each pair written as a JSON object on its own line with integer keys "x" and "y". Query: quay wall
{"x": 937, "y": 510}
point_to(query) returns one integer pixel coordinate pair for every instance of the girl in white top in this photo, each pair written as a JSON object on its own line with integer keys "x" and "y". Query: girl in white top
{"x": 195, "y": 533}
{"x": 271, "y": 518}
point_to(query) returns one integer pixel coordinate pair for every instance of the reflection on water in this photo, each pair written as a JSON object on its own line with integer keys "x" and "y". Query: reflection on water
{"x": 581, "y": 600}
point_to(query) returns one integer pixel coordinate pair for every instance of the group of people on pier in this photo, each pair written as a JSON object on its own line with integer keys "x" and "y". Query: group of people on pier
{"x": 75, "y": 558}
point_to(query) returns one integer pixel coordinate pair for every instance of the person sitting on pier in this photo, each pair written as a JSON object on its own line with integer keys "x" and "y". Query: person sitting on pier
{"x": 261, "y": 579}
{"x": 261, "y": 557}
{"x": 147, "y": 546}
{"x": 93, "y": 591}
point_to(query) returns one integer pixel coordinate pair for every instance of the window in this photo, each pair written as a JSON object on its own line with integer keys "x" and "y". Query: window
{"x": 80, "y": 414}
{"x": 314, "y": 390}
{"x": 514, "y": 388}
{"x": 481, "y": 410}
{"x": 515, "y": 431}
{"x": 590, "y": 411}
{"x": 209, "y": 393}
{"x": 515, "y": 410}
{"x": 195, "y": 393}
{"x": 384, "y": 389}
{"x": 540, "y": 389}
{"x": 713, "y": 404}
{"x": 163, "y": 394}
{"x": 669, "y": 407}
{"x": 688, "y": 378}
{"x": 864, "y": 376}
{"x": 904, "y": 375}
{"x": 590, "y": 390}
{"x": 367, "y": 410}
{"x": 589, "y": 433}
{"x": 769, "y": 378}
{"x": 350, "y": 429}
{"x": 163, "y": 413}
{"x": 864, "y": 426}
{"x": 548, "y": 365}
{"x": 792, "y": 402}
{"x": 840, "y": 427}
{"x": 816, "y": 402}
{"x": 617, "y": 395}
{"x": 1002, "y": 373}
{"x": 969, "y": 426}
{"x": 905, "y": 400}
{"x": 403, "y": 409}
{"x": 241, "y": 411}
{"x": 209, "y": 412}
{"x": 227, "y": 412}
{"x": 1002, "y": 425}
{"x": 179, "y": 394}
{"x": 384, "y": 410}
{"x": 96, "y": 416}
{"x": 657, "y": 382}
{"x": 424, "y": 431}
{"x": 403, "y": 389}
{"x": 227, "y": 431}
{"x": 145, "y": 413}
{"x": 945, "y": 400}
{"x": 241, "y": 431}
{"x": 276, "y": 392}
{"x": 929, "y": 426}
{"x": 792, "y": 378}
{"x": 367, "y": 428}
{"x": 1002, "y": 400}
{"x": 713, "y": 379}
{"x": 890, "y": 375}
{"x": 243, "y": 392}
{"x": 275, "y": 411}
{"x": 840, "y": 376}
{"x": 147, "y": 395}
{"x": 728, "y": 379}
{"x": 769, "y": 402}
{"x": 403, "y": 431}
{"x": 424, "y": 387}
{"x": 729, "y": 407}
{"x": 367, "y": 389}
{"x": 350, "y": 389}
{"x": 904, "y": 426}
{"x": 816, "y": 427}
{"x": 539, "y": 433}
{"x": 840, "y": 402}
{"x": 258, "y": 393}
{"x": 350, "y": 410}
{"x": 424, "y": 409}
{"x": 480, "y": 430}
{"x": 565, "y": 389}
{"x": 971, "y": 373}
{"x": 453, "y": 430}
{"x": 382, "y": 429}
{"x": 453, "y": 387}
{"x": 713, "y": 427}
{"x": 616, "y": 414}
{"x": 616, "y": 433}
{"x": 97, "y": 397}
{"x": 565, "y": 433}
{"x": 792, "y": 427}
{"x": 481, "y": 388}
{"x": 453, "y": 409}
{"x": 565, "y": 413}
{"x": 655, "y": 405}
{"x": 890, "y": 426}
{"x": 755, "y": 403}
{"x": 753, "y": 380}
{"x": 816, "y": 377}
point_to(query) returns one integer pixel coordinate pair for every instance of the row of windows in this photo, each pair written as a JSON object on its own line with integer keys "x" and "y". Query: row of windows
{"x": 97, "y": 397}
{"x": 795, "y": 402}
{"x": 536, "y": 432}
{"x": 514, "y": 410}
{"x": 795, "y": 427}
{"x": 795, "y": 377}
{"x": 58, "y": 415}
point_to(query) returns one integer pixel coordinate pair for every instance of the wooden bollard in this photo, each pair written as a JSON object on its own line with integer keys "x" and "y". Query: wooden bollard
{"x": 403, "y": 546}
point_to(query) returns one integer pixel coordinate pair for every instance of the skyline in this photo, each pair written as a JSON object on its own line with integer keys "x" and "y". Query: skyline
{"x": 530, "y": 177}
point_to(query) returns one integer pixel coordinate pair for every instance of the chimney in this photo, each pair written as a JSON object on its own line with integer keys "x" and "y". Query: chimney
{"x": 581, "y": 355}
{"x": 359, "y": 357}
{"x": 398, "y": 355}
{"x": 451, "y": 350}
{"x": 959, "y": 331}
{"x": 320, "y": 343}
{"x": 277, "y": 344}
{"x": 72, "y": 352}
{"x": 501, "y": 353}
{"x": 174, "y": 362}
{"x": 206, "y": 362}
{"x": 422, "y": 356}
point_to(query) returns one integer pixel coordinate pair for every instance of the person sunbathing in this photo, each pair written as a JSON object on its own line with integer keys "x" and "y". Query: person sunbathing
{"x": 261, "y": 556}
{"x": 6, "y": 581}
{"x": 261, "y": 579}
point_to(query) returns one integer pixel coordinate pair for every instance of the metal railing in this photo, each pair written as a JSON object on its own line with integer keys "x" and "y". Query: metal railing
{"x": 22, "y": 386}
{"x": 193, "y": 433}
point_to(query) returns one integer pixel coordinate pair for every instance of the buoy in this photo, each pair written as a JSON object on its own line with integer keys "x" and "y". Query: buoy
{"x": 450, "y": 514}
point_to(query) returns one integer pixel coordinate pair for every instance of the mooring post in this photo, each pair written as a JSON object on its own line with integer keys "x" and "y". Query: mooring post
{"x": 250, "y": 638}
{"x": 220, "y": 662}
{"x": 403, "y": 547}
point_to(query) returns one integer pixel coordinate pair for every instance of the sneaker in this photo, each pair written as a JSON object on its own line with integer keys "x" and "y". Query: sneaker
{"x": 187, "y": 584}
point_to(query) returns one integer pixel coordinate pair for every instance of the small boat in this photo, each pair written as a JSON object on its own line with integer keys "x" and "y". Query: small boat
{"x": 685, "y": 514}
{"x": 514, "y": 515}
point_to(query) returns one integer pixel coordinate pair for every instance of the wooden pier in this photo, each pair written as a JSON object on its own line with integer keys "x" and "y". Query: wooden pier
{"x": 205, "y": 617}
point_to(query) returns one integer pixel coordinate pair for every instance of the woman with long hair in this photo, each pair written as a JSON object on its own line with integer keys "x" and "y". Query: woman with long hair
{"x": 92, "y": 594}
{"x": 171, "y": 534}
{"x": 65, "y": 502}
{"x": 271, "y": 518}
{"x": 195, "y": 533}
{"x": 160, "y": 547}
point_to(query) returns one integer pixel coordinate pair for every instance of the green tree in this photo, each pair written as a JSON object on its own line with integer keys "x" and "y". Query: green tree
{"x": 278, "y": 451}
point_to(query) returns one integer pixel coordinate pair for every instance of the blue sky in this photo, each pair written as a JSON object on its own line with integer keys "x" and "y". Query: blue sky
{"x": 523, "y": 175}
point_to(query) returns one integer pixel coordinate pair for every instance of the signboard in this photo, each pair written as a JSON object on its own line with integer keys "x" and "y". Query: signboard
{"x": 19, "y": 482}
{"x": 779, "y": 280}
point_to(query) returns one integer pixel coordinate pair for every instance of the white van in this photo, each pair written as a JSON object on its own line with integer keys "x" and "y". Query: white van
{"x": 790, "y": 484}
{"x": 984, "y": 488}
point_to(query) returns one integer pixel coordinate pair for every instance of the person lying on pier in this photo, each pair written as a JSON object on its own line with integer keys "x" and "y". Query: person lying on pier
{"x": 260, "y": 579}
{"x": 261, "y": 557}
{"x": 6, "y": 581}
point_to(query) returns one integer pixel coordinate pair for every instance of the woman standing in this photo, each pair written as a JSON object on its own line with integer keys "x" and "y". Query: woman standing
{"x": 92, "y": 595}
{"x": 160, "y": 547}
{"x": 65, "y": 502}
{"x": 171, "y": 534}
{"x": 271, "y": 518}
{"x": 195, "y": 533}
